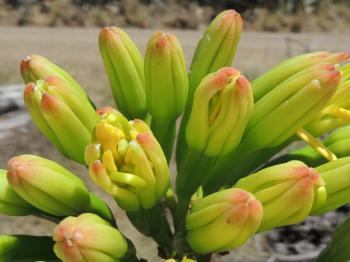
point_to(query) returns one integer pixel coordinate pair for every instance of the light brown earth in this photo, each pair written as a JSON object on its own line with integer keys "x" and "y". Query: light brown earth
{"x": 76, "y": 50}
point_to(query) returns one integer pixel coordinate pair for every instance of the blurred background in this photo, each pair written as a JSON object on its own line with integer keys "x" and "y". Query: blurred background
{"x": 66, "y": 32}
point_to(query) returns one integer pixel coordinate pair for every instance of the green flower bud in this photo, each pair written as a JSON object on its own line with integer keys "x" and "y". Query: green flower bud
{"x": 216, "y": 48}
{"x": 88, "y": 238}
{"x": 26, "y": 248}
{"x": 287, "y": 192}
{"x": 286, "y": 110}
{"x": 62, "y": 115}
{"x": 337, "y": 250}
{"x": 275, "y": 76}
{"x": 223, "y": 221}
{"x": 222, "y": 105}
{"x": 11, "y": 203}
{"x": 124, "y": 66}
{"x": 35, "y": 67}
{"x": 127, "y": 161}
{"x": 333, "y": 115}
{"x": 336, "y": 175}
{"x": 47, "y": 185}
{"x": 166, "y": 78}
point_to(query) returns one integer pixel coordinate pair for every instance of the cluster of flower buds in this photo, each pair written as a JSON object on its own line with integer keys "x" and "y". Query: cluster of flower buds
{"x": 127, "y": 161}
{"x": 62, "y": 114}
{"x": 274, "y": 187}
{"x": 51, "y": 188}
{"x": 11, "y": 203}
{"x": 223, "y": 220}
{"x": 124, "y": 66}
{"x": 88, "y": 238}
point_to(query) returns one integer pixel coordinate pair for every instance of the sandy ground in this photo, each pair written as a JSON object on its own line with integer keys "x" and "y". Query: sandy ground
{"x": 76, "y": 50}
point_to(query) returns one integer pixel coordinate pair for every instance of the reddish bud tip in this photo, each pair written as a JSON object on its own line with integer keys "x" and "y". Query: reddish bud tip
{"x": 240, "y": 196}
{"x": 328, "y": 67}
{"x": 96, "y": 167}
{"x": 104, "y": 110}
{"x": 25, "y": 64}
{"x": 343, "y": 56}
{"x": 48, "y": 102}
{"x": 242, "y": 83}
{"x": 144, "y": 138}
{"x": 29, "y": 90}
{"x": 52, "y": 80}
{"x": 223, "y": 76}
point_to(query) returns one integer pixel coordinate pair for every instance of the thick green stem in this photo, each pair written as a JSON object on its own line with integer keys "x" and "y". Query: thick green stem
{"x": 100, "y": 208}
{"x": 153, "y": 223}
{"x": 27, "y": 248}
{"x": 165, "y": 134}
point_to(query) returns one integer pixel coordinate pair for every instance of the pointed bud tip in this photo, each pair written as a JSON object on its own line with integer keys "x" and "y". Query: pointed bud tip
{"x": 105, "y": 110}
{"x": 342, "y": 56}
{"x": 330, "y": 78}
{"x": 29, "y": 89}
{"x": 25, "y": 64}
{"x": 48, "y": 102}
{"x": 163, "y": 39}
{"x": 223, "y": 76}
{"x": 242, "y": 83}
{"x": 96, "y": 167}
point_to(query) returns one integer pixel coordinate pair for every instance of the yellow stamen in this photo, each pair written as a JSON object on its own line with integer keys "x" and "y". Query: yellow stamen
{"x": 340, "y": 112}
{"x": 316, "y": 144}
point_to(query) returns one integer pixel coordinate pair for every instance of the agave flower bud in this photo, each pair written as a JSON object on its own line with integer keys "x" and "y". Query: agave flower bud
{"x": 272, "y": 78}
{"x": 88, "y": 238}
{"x": 336, "y": 175}
{"x": 11, "y": 203}
{"x": 127, "y": 161}
{"x": 286, "y": 109}
{"x": 166, "y": 78}
{"x": 26, "y": 248}
{"x": 35, "y": 67}
{"x": 223, "y": 95}
{"x": 223, "y": 221}
{"x": 216, "y": 48}
{"x": 337, "y": 250}
{"x": 124, "y": 66}
{"x": 332, "y": 115}
{"x": 286, "y": 191}
{"x": 62, "y": 115}
{"x": 47, "y": 185}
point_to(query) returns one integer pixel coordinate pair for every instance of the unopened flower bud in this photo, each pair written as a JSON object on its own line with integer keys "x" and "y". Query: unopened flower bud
{"x": 166, "y": 78}
{"x": 127, "y": 161}
{"x": 286, "y": 191}
{"x": 124, "y": 66}
{"x": 336, "y": 175}
{"x": 88, "y": 238}
{"x": 223, "y": 220}
{"x": 275, "y": 76}
{"x": 64, "y": 116}
{"x": 47, "y": 185}
{"x": 222, "y": 105}
{"x": 11, "y": 203}
{"x": 216, "y": 48}
{"x": 35, "y": 67}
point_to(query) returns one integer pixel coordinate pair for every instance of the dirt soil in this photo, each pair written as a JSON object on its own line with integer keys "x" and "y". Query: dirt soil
{"x": 76, "y": 51}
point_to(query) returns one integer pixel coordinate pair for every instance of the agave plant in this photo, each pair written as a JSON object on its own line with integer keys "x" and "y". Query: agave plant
{"x": 226, "y": 188}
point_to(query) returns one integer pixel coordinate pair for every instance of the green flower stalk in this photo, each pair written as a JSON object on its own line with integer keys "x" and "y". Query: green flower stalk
{"x": 127, "y": 161}
{"x": 337, "y": 250}
{"x": 11, "y": 203}
{"x": 223, "y": 221}
{"x": 166, "y": 86}
{"x": 35, "y": 67}
{"x": 124, "y": 66}
{"x": 26, "y": 248}
{"x": 52, "y": 188}
{"x": 287, "y": 193}
{"x": 88, "y": 238}
{"x": 336, "y": 175}
{"x": 222, "y": 95}
{"x": 275, "y": 76}
{"x": 61, "y": 114}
